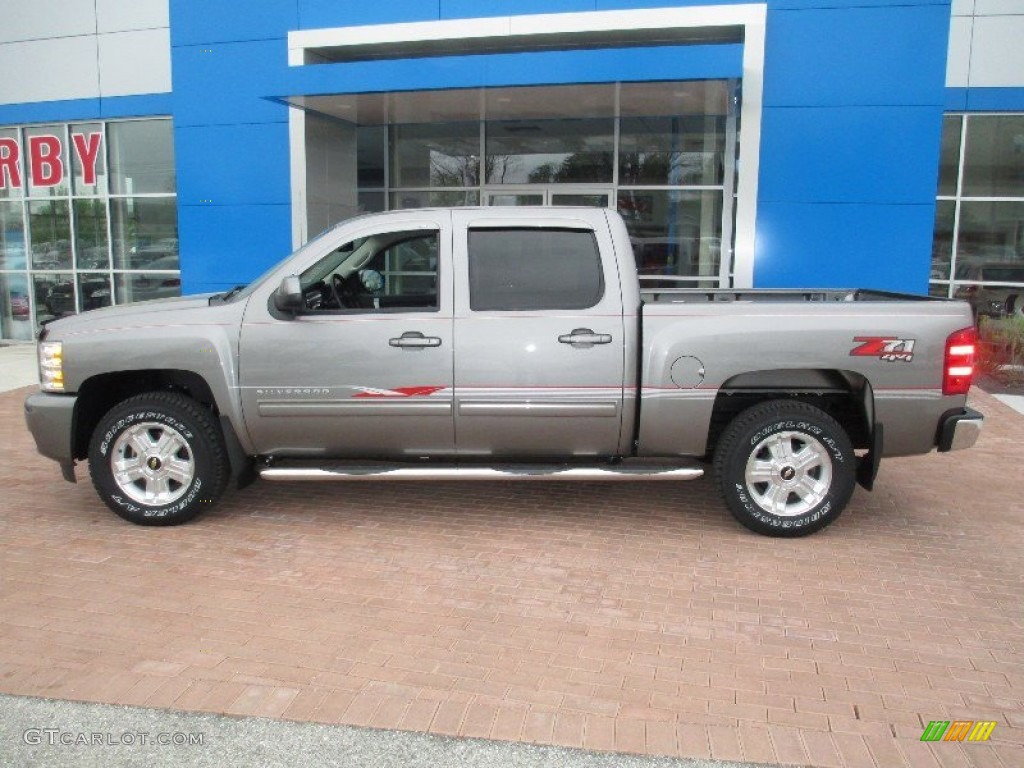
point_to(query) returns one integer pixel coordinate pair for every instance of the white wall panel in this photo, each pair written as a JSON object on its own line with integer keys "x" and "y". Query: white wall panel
{"x": 49, "y": 70}
{"x": 998, "y": 7}
{"x": 123, "y": 16}
{"x": 963, "y": 7}
{"x": 135, "y": 62}
{"x": 958, "y": 62}
{"x": 997, "y": 56}
{"x": 39, "y": 19}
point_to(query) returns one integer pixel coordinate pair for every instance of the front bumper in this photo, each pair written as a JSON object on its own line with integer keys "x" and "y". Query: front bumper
{"x": 50, "y": 419}
{"x": 960, "y": 429}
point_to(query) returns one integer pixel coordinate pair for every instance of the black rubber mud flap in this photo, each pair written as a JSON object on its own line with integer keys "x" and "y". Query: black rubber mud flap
{"x": 867, "y": 469}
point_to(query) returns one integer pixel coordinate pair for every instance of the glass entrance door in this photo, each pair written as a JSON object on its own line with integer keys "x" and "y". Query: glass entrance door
{"x": 599, "y": 197}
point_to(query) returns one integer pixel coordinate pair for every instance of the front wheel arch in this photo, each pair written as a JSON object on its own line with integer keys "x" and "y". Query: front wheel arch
{"x": 158, "y": 458}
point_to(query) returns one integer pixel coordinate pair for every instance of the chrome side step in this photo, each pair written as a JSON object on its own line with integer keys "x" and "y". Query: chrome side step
{"x": 353, "y": 472}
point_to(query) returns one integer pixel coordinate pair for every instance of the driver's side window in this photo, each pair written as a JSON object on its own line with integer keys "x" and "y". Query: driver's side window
{"x": 389, "y": 271}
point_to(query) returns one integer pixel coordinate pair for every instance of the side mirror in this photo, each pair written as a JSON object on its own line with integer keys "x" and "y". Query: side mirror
{"x": 288, "y": 296}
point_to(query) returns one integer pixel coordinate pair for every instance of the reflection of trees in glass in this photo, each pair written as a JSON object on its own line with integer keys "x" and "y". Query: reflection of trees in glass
{"x": 91, "y": 234}
{"x": 454, "y": 170}
{"x": 578, "y": 167}
{"x": 50, "y": 233}
{"x": 668, "y": 168}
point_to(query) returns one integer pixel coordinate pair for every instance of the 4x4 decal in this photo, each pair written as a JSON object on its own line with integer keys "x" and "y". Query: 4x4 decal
{"x": 887, "y": 348}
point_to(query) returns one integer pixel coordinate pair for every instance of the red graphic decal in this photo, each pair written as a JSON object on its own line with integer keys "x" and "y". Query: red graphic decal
{"x": 887, "y": 348}
{"x": 398, "y": 392}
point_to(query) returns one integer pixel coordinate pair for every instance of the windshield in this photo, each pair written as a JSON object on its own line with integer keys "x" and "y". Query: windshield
{"x": 244, "y": 293}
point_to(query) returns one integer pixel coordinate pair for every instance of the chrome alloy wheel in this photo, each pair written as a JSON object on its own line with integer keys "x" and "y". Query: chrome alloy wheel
{"x": 788, "y": 473}
{"x": 152, "y": 463}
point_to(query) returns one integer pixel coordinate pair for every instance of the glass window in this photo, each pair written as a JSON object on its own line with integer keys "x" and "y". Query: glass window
{"x": 942, "y": 240}
{"x": 949, "y": 158}
{"x": 528, "y": 269}
{"x": 45, "y": 161}
{"x": 91, "y": 234}
{"x": 143, "y": 286}
{"x": 550, "y": 151}
{"x": 371, "y": 152}
{"x": 145, "y": 232}
{"x": 392, "y": 270}
{"x": 56, "y": 228}
{"x": 372, "y": 202}
{"x": 994, "y": 156}
{"x": 49, "y": 234}
{"x": 990, "y": 233}
{"x": 593, "y": 200}
{"x": 12, "y": 236}
{"x": 93, "y": 291}
{"x": 54, "y": 294}
{"x": 674, "y": 232}
{"x": 516, "y": 198}
{"x": 448, "y": 198}
{"x": 15, "y": 320}
{"x": 88, "y": 159}
{"x": 672, "y": 150}
{"x": 12, "y": 167}
{"x": 141, "y": 157}
{"x": 436, "y": 155}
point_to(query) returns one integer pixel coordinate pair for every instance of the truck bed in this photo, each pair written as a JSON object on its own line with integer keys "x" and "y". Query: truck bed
{"x": 658, "y": 289}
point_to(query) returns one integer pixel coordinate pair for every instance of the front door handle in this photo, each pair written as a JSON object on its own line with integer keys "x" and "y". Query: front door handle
{"x": 584, "y": 337}
{"x": 415, "y": 340}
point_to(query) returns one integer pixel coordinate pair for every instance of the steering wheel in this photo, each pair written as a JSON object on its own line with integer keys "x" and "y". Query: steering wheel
{"x": 341, "y": 291}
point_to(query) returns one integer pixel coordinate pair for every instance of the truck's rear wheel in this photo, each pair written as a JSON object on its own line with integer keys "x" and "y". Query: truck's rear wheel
{"x": 785, "y": 468}
{"x": 158, "y": 459}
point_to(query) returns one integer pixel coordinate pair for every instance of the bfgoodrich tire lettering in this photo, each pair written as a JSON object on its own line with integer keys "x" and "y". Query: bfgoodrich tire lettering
{"x": 785, "y": 468}
{"x": 158, "y": 459}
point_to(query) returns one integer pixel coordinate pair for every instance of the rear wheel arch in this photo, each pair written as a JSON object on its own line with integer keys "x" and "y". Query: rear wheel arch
{"x": 845, "y": 396}
{"x": 785, "y": 468}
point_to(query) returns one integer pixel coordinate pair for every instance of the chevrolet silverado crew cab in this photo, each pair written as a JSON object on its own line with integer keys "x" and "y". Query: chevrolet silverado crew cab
{"x": 497, "y": 344}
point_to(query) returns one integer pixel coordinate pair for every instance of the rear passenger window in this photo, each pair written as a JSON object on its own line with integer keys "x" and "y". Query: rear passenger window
{"x": 530, "y": 268}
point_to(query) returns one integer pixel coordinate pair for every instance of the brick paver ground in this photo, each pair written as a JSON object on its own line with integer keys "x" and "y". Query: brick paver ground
{"x": 636, "y": 618}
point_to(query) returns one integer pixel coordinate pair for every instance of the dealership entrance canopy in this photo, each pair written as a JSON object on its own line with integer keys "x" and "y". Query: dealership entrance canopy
{"x": 150, "y": 147}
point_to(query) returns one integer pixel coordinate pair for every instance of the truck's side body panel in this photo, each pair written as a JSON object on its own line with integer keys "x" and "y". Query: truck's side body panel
{"x": 735, "y": 338}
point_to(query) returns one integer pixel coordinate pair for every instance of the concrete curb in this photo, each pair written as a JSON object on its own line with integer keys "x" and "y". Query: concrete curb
{"x": 58, "y": 734}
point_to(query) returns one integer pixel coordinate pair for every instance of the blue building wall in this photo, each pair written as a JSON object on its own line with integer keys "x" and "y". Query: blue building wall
{"x": 850, "y": 144}
{"x": 854, "y": 94}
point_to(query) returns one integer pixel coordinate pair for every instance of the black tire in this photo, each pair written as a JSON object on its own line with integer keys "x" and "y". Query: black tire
{"x": 810, "y": 477}
{"x": 171, "y": 484}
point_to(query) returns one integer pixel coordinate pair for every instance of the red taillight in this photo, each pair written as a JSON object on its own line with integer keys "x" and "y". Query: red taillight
{"x": 958, "y": 366}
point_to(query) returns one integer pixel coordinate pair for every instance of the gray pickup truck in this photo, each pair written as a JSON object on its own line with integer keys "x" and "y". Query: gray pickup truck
{"x": 501, "y": 344}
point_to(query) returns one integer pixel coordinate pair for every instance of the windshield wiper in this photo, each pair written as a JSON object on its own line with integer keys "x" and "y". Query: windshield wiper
{"x": 220, "y": 298}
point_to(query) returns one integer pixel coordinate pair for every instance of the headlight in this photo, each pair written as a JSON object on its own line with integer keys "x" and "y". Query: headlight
{"x": 51, "y": 366}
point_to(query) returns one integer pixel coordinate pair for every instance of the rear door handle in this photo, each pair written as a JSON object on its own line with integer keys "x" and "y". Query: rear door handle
{"x": 584, "y": 337}
{"x": 415, "y": 340}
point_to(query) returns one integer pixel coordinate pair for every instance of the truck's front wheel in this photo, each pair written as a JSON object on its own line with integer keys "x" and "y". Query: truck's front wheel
{"x": 158, "y": 459}
{"x": 785, "y": 468}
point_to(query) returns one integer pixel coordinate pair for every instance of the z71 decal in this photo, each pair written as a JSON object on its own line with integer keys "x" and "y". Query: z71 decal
{"x": 885, "y": 348}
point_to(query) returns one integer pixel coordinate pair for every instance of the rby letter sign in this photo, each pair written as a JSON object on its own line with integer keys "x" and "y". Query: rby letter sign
{"x": 45, "y": 159}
